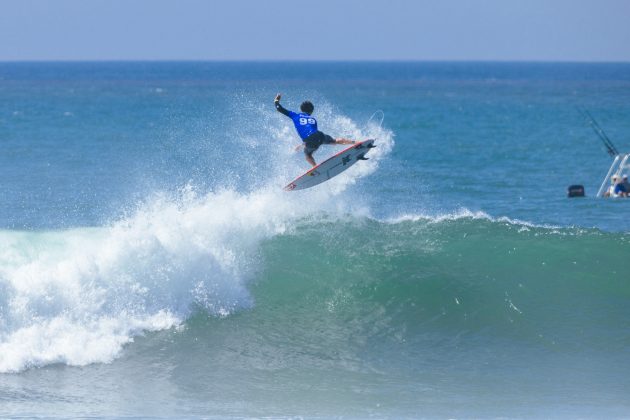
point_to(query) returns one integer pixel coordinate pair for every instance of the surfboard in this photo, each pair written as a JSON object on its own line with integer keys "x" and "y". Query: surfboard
{"x": 332, "y": 166}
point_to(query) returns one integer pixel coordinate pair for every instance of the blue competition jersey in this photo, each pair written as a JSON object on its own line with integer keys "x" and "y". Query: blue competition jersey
{"x": 304, "y": 124}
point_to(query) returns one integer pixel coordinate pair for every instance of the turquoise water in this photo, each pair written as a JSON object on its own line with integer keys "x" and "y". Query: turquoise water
{"x": 151, "y": 265}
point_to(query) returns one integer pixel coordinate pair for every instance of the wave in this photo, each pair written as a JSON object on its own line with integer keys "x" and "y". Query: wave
{"x": 381, "y": 295}
{"x": 78, "y": 296}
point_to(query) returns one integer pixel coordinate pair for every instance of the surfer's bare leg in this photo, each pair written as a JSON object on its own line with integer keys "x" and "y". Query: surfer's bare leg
{"x": 309, "y": 159}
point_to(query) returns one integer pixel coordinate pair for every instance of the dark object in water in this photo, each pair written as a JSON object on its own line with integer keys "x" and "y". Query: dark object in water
{"x": 575, "y": 191}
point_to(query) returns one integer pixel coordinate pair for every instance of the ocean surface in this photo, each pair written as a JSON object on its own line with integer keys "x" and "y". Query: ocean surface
{"x": 152, "y": 265}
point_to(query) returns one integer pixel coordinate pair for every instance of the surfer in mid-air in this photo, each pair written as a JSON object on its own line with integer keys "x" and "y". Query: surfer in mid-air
{"x": 306, "y": 127}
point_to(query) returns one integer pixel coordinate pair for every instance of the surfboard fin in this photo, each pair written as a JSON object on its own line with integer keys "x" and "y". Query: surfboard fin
{"x": 362, "y": 157}
{"x": 371, "y": 146}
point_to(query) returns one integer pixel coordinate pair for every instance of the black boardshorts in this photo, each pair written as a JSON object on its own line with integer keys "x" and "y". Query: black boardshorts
{"x": 312, "y": 142}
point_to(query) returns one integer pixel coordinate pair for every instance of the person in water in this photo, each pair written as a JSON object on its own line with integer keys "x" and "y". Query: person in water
{"x": 306, "y": 126}
{"x": 620, "y": 188}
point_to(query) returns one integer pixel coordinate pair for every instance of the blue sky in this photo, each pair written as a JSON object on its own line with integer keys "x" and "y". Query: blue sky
{"x": 538, "y": 30}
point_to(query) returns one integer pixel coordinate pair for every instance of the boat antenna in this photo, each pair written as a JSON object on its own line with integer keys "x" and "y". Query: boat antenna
{"x": 610, "y": 147}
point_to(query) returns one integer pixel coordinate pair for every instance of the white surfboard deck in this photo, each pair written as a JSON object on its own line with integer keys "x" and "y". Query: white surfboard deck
{"x": 332, "y": 166}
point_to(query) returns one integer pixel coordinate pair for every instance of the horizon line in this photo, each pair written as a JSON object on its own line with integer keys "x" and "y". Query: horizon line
{"x": 279, "y": 60}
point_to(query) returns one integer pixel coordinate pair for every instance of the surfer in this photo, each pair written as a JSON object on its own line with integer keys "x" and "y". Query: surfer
{"x": 306, "y": 126}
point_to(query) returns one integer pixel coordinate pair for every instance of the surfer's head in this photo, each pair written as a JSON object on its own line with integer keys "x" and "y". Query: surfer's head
{"x": 307, "y": 106}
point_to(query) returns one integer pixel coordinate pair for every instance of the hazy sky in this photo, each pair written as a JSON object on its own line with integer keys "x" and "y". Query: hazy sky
{"x": 549, "y": 30}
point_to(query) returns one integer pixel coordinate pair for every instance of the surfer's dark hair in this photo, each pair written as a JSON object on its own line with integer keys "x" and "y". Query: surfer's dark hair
{"x": 307, "y": 106}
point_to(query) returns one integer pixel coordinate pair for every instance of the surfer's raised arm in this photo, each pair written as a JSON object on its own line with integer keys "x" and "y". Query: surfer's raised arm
{"x": 279, "y": 107}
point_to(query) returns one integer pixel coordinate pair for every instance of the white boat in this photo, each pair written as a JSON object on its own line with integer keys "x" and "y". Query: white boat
{"x": 619, "y": 167}
{"x": 621, "y": 161}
